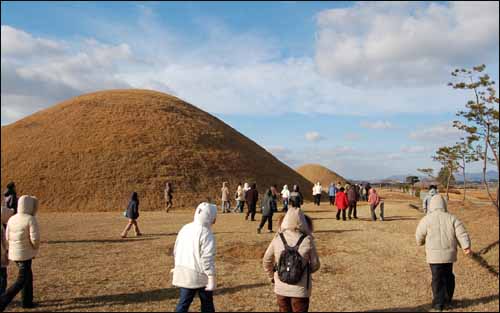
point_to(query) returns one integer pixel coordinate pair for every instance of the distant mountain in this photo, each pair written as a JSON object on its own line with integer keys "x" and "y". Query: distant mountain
{"x": 490, "y": 176}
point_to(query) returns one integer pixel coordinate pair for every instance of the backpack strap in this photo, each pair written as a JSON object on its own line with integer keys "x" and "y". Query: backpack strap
{"x": 300, "y": 241}
{"x": 284, "y": 241}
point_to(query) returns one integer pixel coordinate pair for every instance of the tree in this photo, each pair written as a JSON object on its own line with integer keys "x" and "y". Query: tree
{"x": 427, "y": 171}
{"x": 480, "y": 119}
{"x": 444, "y": 177}
{"x": 447, "y": 156}
{"x": 466, "y": 154}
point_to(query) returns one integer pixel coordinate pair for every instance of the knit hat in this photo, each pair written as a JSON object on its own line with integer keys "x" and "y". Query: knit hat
{"x": 438, "y": 203}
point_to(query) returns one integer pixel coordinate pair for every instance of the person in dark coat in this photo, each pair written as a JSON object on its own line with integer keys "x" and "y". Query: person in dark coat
{"x": 168, "y": 196}
{"x": 251, "y": 197}
{"x": 10, "y": 197}
{"x": 268, "y": 207}
{"x": 132, "y": 213}
{"x": 296, "y": 198}
{"x": 352, "y": 197}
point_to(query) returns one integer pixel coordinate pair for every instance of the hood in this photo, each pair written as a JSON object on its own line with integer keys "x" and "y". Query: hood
{"x": 295, "y": 220}
{"x": 432, "y": 192}
{"x": 285, "y": 187}
{"x": 240, "y": 188}
{"x": 246, "y": 186}
{"x": 437, "y": 203}
{"x": 27, "y": 205}
{"x": 205, "y": 214}
{"x": 372, "y": 190}
{"x": 6, "y": 214}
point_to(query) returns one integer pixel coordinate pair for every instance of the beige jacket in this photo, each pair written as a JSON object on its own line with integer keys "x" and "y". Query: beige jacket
{"x": 441, "y": 232}
{"x": 22, "y": 231}
{"x": 292, "y": 227}
{"x": 6, "y": 215}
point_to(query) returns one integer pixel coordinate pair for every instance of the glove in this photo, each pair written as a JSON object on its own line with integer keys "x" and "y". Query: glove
{"x": 211, "y": 284}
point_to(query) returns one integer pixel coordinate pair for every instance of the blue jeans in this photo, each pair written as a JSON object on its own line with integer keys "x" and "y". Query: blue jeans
{"x": 186, "y": 298}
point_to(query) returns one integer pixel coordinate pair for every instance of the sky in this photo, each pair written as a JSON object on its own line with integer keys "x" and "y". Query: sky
{"x": 358, "y": 87}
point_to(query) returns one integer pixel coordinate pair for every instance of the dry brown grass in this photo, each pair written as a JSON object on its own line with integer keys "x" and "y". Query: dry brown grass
{"x": 84, "y": 266}
{"x": 90, "y": 152}
{"x": 318, "y": 173}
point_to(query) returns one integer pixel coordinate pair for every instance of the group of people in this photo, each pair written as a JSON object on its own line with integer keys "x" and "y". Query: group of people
{"x": 288, "y": 262}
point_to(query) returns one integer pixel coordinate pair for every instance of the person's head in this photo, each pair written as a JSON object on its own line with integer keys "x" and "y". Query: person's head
{"x": 11, "y": 186}
{"x": 296, "y": 188}
{"x": 437, "y": 203}
{"x": 295, "y": 220}
{"x": 254, "y": 186}
{"x": 27, "y": 205}
{"x": 134, "y": 196}
{"x": 342, "y": 189}
{"x": 206, "y": 214}
{"x": 309, "y": 222}
{"x": 285, "y": 187}
{"x": 269, "y": 192}
{"x": 167, "y": 185}
{"x": 239, "y": 184}
{"x": 223, "y": 184}
{"x": 372, "y": 190}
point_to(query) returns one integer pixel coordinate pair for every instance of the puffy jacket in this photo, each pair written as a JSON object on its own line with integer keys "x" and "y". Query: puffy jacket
{"x": 441, "y": 232}
{"x": 285, "y": 193}
{"x": 240, "y": 194}
{"x": 23, "y": 233}
{"x": 373, "y": 198}
{"x": 252, "y": 196}
{"x": 225, "y": 193}
{"x": 6, "y": 215}
{"x": 132, "y": 211}
{"x": 195, "y": 249}
{"x": 341, "y": 200}
{"x": 427, "y": 199}
{"x": 352, "y": 195}
{"x": 292, "y": 227}
{"x": 268, "y": 204}
{"x": 332, "y": 191}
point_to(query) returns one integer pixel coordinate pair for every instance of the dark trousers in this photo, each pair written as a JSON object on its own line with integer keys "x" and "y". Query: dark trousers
{"x": 289, "y": 304}
{"x": 332, "y": 200}
{"x": 23, "y": 284}
{"x": 186, "y": 298}
{"x": 372, "y": 211}
{"x": 343, "y": 214}
{"x": 352, "y": 209}
{"x": 251, "y": 210}
{"x": 3, "y": 279}
{"x": 285, "y": 205}
{"x": 317, "y": 199}
{"x": 269, "y": 220}
{"x": 443, "y": 283}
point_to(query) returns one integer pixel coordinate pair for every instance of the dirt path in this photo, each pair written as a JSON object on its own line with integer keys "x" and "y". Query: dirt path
{"x": 84, "y": 266}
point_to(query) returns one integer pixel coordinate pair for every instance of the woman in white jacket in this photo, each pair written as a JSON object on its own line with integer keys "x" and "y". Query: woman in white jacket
{"x": 285, "y": 196}
{"x": 194, "y": 254}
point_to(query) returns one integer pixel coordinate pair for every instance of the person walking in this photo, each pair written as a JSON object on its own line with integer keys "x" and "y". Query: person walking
{"x": 168, "y": 196}
{"x": 275, "y": 193}
{"x": 252, "y": 196}
{"x": 132, "y": 213}
{"x": 246, "y": 187}
{"x": 442, "y": 232}
{"x": 332, "y": 190}
{"x": 226, "y": 205}
{"x": 367, "y": 190}
{"x": 362, "y": 191}
{"x": 23, "y": 237}
{"x": 374, "y": 200}
{"x": 352, "y": 197}
{"x": 268, "y": 205}
{"x": 10, "y": 197}
{"x": 317, "y": 193}
{"x": 342, "y": 203}
{"x": 289, "y": 262}
{"x": 240, "y": 199}
{"x": 4, "y": 262}
{"x": 194, "y": 260}
{"x": 432, "y": 192}
{"x": 296, "y": 196}
{"x": 285, "y": 196}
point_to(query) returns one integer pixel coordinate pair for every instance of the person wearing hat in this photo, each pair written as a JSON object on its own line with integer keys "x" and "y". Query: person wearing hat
{"x": 441, "y": 233}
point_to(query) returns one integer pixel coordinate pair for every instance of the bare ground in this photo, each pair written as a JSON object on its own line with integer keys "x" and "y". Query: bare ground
{"x": 83, "y": 264}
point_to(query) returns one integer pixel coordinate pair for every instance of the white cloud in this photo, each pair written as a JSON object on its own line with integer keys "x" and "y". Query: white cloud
{"x": 376, "y": 125}
{"x": 441, "y": 133}
{"x": 406, "y": 43}
{"x": 17, "y": 43}
{"x": 313, "y": 136}
{"x": 414, "y": 149}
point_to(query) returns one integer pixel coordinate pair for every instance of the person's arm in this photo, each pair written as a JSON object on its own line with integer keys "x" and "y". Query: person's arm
{"x": 34, "y": 232}
{"x": 207, "y": 253}
{"x": 421, "y": 232}
{"x": 313, "y": 256}
{"x": 462, "y": 236}
{"x": 268, "y": 262}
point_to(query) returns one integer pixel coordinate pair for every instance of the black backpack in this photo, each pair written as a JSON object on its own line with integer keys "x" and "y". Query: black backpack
{"x": 291, "y": 265}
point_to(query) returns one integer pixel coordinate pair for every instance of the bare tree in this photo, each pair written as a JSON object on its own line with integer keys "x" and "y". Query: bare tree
{"x": 447, "y": 156}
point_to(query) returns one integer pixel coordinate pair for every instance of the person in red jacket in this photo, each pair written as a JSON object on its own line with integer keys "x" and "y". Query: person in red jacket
{"x": 341, "y": 202}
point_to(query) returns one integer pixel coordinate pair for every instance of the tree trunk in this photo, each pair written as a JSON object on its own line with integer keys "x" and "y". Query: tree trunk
{"x": 485, "y": 164}
{"x": 448, "y": 183}
{"x": 465, "y": 180}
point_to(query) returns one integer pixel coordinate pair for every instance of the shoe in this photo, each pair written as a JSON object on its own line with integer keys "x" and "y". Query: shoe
{"x": 438, "y": 307}
{"x": 30, "y": 306}
{"x": 271, "y": 232}
{"x": 258, "y": 230}
{"x": 123, "y": 236}
{"x": 381, "y": 219}
{"x": 139, "y": 234}
{"x": 350, "y": 218}
{"x": 355, "y": 217}
{"x": 338, "y": 219}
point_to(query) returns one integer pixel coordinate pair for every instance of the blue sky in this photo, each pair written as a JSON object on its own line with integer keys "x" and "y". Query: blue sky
{"x": 357, "y": 87}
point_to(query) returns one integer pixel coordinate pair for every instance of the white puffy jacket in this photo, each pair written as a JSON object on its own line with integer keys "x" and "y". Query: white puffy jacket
{"x": 195, "y": 249}
{"x": 23, "y": 233}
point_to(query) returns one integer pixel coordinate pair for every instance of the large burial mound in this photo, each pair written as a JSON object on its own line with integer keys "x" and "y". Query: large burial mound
{"x": 317, "y": 173}
{"x": 92, "y": 151}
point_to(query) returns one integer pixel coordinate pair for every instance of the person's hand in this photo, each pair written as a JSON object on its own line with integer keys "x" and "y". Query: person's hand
{"x": 468, "y": 251}
{"x": 211, "y": 284}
